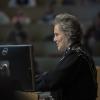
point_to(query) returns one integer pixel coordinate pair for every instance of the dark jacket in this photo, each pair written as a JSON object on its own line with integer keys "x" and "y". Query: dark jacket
{"x": 73, "y": 79}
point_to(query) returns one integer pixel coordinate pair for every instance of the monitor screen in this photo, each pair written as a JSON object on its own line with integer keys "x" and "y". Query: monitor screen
{"x": 16, "y": 63}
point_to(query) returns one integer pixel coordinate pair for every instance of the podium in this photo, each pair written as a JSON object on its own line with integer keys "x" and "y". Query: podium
{"x": 21, "y": 95}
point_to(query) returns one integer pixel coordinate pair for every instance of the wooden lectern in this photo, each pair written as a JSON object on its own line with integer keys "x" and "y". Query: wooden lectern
{"x": 20, "y": 95}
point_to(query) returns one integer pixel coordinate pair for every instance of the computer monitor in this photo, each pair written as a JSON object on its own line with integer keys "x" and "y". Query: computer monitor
{"x": 16, "y": 63}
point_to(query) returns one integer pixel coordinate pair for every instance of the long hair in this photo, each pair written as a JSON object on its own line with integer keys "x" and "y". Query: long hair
{"x": 70, "y": 26}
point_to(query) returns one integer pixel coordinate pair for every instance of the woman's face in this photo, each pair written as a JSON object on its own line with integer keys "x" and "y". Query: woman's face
{"x": 60, "y": 38}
